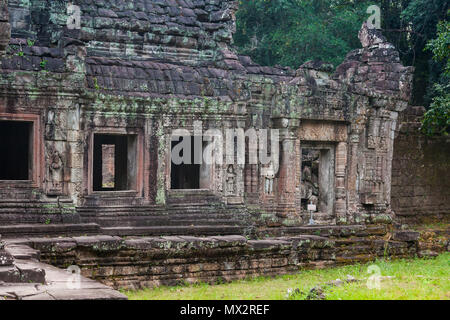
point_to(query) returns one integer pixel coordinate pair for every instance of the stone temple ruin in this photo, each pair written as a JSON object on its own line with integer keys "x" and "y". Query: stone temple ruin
{"x": 87, "y": 115}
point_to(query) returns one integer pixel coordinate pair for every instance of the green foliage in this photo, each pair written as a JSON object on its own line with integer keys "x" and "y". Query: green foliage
{"x": 96, "y": 85}
{"x": 291, "y": 32}
{"x": 43, "y": 64}
{"x": 436, "y": 121}
{"x": 421, "y": 17}
{"x": 441, "y": 45}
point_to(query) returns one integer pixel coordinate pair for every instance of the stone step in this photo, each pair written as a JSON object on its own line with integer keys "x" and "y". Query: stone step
{"x": 56, "y": 286}
{"x": 186, "y": 192}
{"x": 185, "y": 221}
{"x": 38, "y": 218}
{"x": 205, "y": 203}
{"x": 22, "y": 272}
{"x": 154, "y": 216}
{"x": 208, "y": 216}
{"x": 24, "y": 230}
{"x": 144, "y": 209}
{"x": 20, "y": 251}
{"x": 207, "y": 210}
{"x": 9, "y": 274}
{"x": 192, "y": 197}
{"x": 30, "y": 203}
{"x": 29, "y": 272}
{"x": 175, "y": 230}
{"x": 201, "y": 202}
{"x": 326, "y": 230}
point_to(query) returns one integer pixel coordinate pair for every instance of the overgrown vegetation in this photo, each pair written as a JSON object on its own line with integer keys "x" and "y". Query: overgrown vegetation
{"x": 291, "y": 32}
{"x": 437, "y": 120}
{"x": 401, "y": 279}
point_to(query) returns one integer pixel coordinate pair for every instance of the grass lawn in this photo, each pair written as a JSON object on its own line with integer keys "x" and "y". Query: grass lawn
{"x": 411, "y": 279}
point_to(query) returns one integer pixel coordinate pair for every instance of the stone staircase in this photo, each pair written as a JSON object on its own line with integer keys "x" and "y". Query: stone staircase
{"x": 187, "y": 212}
{"x": 14, "y": 268}
{"x": 30, "y": 218}
{"x": 50, "y": 230}
{"x": 14, "y": 212}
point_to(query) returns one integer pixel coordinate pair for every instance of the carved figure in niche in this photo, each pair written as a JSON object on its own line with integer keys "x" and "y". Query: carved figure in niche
{"x": 231, "y": 180}
{"x": 50, "y": 125}
{"x": 55, "y": 171}
{"x": 54, "y": 125}
{"x": 310, "y": 177}
{"x": 269, "y": 178}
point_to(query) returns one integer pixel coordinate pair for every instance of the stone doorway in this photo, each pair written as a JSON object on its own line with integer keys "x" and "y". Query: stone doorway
{"x": 317, "y": 178}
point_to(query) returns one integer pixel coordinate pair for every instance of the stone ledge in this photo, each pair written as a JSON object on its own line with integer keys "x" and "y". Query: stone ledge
{"x": 170, "y": 260}
{"x": 106, "y": 243}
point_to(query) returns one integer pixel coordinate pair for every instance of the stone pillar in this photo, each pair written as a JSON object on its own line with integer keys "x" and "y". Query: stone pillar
{"x": 341, "y": 193}
{"x": 352, "y": 183}
{"x": 287, "y": 175}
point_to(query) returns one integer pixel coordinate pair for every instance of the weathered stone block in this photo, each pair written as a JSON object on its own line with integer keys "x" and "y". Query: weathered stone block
{"x": 406, "y": 236}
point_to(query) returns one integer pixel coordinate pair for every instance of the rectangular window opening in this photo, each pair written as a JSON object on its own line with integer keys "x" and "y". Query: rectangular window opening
{"x": 190, "y": 176}
{"x": 115, "y": 164}
{"x": 16, "y": 150}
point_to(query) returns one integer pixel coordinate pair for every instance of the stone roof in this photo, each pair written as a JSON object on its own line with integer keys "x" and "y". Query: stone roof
{"x": 183, "y": 49}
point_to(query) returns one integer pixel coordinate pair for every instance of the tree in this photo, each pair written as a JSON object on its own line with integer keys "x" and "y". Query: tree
{"x": 420, "y": 18}
{"x": 437, "y": 120}
{"x": 291, "y": 32}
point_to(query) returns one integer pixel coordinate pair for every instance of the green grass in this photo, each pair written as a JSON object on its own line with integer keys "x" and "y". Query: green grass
{"x": 413, "y": 279}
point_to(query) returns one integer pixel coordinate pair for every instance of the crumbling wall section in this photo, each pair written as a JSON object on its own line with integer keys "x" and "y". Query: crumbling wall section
{"x": 420, "y": 173}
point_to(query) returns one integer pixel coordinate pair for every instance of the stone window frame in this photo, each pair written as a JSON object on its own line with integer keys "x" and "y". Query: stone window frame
{"x": 168, "y": 165}
{"x": 139, "y": 162}
{"x": 37, "y": 152}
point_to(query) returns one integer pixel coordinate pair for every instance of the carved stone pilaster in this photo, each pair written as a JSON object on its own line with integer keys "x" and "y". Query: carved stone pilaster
{"x": 340, "y": 174}
{"x": 287, "y": 175}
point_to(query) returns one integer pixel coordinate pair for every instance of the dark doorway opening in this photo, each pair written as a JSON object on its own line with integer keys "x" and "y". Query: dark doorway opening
{"x": 317, "y": 183}
{"x": 15, "y": 150}
{"x": 185, "y": 175}
{"x": 114, "y": 162}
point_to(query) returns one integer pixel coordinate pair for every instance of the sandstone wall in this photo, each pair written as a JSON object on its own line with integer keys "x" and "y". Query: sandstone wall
{"x": 420, "y": 172}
